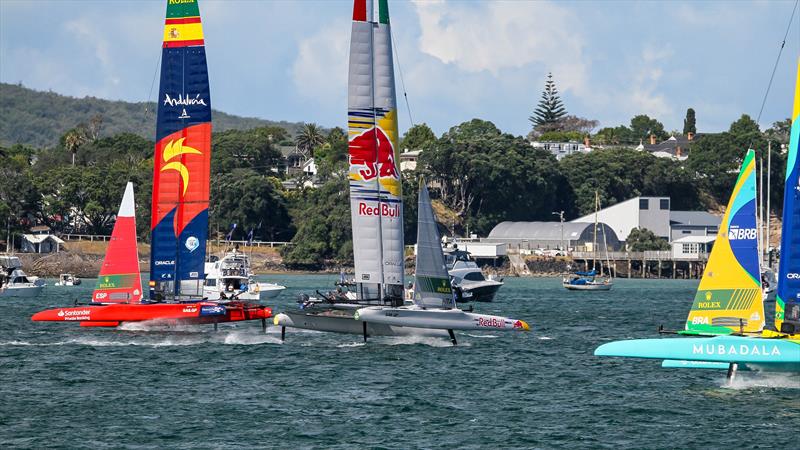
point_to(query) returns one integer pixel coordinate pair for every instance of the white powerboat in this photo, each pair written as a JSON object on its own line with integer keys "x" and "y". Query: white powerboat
{"x": 468, "y": 281}
{"x": 230, "y": 278}
{"x": 14, "y": 282}
{"x": 68, "y": 279}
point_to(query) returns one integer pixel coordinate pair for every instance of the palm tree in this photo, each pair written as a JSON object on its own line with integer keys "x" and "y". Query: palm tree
{"x": 309, "y": 138}
{"x": 73, "y": 140}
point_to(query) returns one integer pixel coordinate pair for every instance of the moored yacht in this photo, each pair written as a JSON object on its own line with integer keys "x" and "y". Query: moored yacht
{"x": 230, "y": 278}
{"x": 14, "y": 282}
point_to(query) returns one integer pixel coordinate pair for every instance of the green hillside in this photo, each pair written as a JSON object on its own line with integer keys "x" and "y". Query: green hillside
{"x": 40, "y": 118}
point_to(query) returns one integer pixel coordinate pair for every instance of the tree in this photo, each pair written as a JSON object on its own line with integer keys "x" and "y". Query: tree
{"x": 254, "y": 202}
{"x": 550, "y": 108}
{"x": 417, "y": 137}
{"x": 309, "y": 138}
{"x": 642, "y": 126}
{"x": 621, "y": 174}
{"x": 324, "y": 232}
{"x": 689, "y": 122}
{"x": 73, "y": 139}
{"x": 332, "y": 156}
{"x": 251, "y": 149}
{"x": 644, "y": 240}
{"x": 716, "y": 158}
{"x": 780, "y": 131}
{"x": 576, "y": 124}
{"x": 486, "y": 176}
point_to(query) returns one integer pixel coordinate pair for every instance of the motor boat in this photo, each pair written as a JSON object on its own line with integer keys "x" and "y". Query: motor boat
{"x": 468, "y": 281}
{"x": 68, "y": 279}
{"x": 230, "y": 278}
{"x": 14, "y": 282}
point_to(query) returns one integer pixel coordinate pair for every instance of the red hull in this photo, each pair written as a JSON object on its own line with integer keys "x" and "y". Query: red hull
{"x": 191, "y": 313}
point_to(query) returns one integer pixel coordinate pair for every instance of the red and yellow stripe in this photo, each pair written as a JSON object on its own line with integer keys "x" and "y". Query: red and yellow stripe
{"x": 183, "y": 32}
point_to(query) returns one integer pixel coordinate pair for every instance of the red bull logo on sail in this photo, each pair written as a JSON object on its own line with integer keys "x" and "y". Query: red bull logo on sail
{"x": 374, "y": 150}
{"x": 384, "y": 210}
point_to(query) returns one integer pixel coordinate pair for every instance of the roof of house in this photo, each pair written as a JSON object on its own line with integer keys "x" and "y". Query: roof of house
{"x": 672, "y": 144}
{"x": 539, "y": 231}
{"x": 695, "y": 240}
{"x": 694, "y": 218}
{"x": 39, "y": 238}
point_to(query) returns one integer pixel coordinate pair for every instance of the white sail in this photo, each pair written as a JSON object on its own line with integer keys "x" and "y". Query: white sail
{"x": 375, "y": 198}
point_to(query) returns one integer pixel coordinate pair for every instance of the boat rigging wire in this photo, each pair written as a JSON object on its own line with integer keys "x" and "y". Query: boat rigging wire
{"x": 402, "y": 82}
{"x": 777, "y": 60}
{"x": 152, "y": 83}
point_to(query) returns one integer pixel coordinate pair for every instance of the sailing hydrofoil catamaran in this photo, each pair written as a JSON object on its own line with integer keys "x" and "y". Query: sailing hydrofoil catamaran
{"x": 434, "y": 298}
{"x": 728, "y": 304}
{"x": 180, "y": 203}
{"x": 376, "y": 205}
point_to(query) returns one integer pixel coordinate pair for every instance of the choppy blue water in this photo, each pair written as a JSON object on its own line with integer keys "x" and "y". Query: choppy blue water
{"x": 63, "y": 386}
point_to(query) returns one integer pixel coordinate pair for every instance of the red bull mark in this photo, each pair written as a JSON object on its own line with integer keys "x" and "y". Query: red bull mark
{"x": 363, "y": 153}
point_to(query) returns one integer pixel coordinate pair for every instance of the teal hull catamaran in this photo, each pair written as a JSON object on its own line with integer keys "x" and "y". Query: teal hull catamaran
{"x": 727, "y": 316}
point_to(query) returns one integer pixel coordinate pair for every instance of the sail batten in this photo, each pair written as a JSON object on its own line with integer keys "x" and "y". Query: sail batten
{"x": 179, "y": 223}
{"x": 375, "y": 198}
{"x": 728, "y": 299}
{"x": 787, "y": 298}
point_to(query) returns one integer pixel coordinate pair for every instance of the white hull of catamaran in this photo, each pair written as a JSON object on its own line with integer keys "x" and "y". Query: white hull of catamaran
{"x": 342, "y": 321}
{"x": 442, "y": 319}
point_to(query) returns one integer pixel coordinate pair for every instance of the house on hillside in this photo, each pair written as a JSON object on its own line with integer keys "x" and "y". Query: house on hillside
{"x": 408, "y": 159}
{"x": 676, "y": 147}
{"x": 562, "y": 149}
{"x": 39, "y": 240}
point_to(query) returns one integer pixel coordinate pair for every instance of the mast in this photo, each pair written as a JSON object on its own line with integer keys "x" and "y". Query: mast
{"x": 376, "y": 161}
{"x": 374, "y": 176}
{"x": 594, "y": 243}
{"x": 787, "y": 298}
{"x": 761, "y": 211}
{"x": 179, "y": 223}
{"x": 769, "y": 172}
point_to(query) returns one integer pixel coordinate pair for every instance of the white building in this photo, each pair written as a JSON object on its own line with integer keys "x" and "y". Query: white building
{"x": 692, "y": 247}
{"x": 562, "y": 149}
{"x": 652, "y": 213}
{"x": 408, "y": 159}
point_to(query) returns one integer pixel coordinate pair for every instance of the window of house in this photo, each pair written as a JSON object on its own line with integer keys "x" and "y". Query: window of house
{"x": 644, "y": 203}
{"x": 686, "y": 231}
{"x": 664, "y": 203}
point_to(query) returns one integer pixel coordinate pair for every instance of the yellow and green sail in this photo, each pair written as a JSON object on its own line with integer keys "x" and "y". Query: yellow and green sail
{"x": 729, "y": 298}
{"x": 787, "y": 299}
